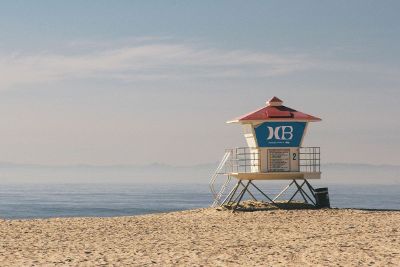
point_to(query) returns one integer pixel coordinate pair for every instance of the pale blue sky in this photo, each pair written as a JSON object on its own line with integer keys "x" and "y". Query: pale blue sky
{"x": 135, "y": 82}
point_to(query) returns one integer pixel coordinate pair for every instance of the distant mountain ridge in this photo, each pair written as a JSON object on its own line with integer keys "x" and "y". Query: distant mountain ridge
{"x": 159, "y": 173}
{"x": 165, "y": 165}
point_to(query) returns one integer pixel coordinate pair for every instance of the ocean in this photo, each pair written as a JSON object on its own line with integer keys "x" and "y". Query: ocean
{"x": 23, "y": 201}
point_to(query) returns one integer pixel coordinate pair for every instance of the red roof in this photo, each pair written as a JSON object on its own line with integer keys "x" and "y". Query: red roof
{"x": 275, "y": 111}
{"x": 275, "y": 99}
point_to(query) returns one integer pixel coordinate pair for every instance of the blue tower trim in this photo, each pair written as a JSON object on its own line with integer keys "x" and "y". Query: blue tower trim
{"x": 279, "y": 134}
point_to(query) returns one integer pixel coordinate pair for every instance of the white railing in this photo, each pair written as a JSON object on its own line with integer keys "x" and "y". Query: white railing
{"x": 221, "y": 170}
{"x": 310, "y": 159}
{"x": 244, "y": 159}
{"x": 248, "y": 160}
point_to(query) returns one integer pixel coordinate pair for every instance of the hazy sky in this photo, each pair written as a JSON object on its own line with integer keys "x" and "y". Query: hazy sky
{"x": 135, "y": 82}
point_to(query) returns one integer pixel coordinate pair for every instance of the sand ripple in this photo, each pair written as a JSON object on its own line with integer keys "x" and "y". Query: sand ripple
{"x": 207, "y": 237}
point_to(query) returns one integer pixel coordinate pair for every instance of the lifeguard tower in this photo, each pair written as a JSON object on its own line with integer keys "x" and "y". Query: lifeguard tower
{"x": 274, "y": 151}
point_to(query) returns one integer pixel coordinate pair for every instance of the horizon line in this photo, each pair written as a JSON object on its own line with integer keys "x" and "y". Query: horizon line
{"x": 160, "y": 164}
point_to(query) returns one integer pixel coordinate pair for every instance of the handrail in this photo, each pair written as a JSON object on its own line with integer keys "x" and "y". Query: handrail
{"x": 248, "y": 160}
{"x": 310, "y": 159}
{"x": 221, "y": 165}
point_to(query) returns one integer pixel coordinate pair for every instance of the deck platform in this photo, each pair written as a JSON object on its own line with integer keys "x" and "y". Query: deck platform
{"x": 275, "y": 175}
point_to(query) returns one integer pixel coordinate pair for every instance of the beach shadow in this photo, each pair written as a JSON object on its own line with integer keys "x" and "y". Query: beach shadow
{"x": 266, "y": 206}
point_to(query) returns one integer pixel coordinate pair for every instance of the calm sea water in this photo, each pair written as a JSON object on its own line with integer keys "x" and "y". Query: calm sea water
{"x": 65, "y": 200}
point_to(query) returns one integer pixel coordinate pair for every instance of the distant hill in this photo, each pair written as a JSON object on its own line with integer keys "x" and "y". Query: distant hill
{"x": 154, "y": 173}
{"x": 163, "y": 173}
{"x": 361, "y": 173}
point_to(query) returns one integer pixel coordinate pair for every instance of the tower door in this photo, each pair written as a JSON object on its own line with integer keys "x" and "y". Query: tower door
{"x": 279, "y": 159}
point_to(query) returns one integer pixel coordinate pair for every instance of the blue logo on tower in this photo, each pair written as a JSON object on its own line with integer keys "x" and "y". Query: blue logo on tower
{"x": 279, "y": 134}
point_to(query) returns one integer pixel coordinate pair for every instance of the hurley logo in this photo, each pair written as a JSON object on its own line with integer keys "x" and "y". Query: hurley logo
{"x": 280, "y": 133}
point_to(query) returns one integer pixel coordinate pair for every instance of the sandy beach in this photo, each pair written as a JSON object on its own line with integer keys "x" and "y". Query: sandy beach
{"x": 207, "y": 237}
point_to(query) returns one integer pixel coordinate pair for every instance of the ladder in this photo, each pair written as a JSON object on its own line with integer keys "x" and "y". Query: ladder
{"x": 217, "y": 200}
{"x": 217, "y": 196}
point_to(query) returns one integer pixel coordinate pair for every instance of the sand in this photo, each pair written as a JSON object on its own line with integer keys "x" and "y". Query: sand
{"x": 207, "y": 237}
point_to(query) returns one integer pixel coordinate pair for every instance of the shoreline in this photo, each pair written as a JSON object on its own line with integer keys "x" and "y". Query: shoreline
{"x": 206, "y": 237}
{"x": 187, "y": 210}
